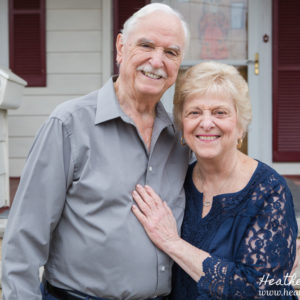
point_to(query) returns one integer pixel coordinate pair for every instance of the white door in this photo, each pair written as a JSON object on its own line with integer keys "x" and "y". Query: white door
{"x": 235, "y": 32}
{"x": 260, "y": 85}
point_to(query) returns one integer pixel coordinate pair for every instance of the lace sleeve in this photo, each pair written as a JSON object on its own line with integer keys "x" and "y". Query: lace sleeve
{"x": 267, "y": 250}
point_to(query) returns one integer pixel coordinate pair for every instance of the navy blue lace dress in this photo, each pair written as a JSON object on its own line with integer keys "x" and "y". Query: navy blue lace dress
{"x": 251, "y": 237}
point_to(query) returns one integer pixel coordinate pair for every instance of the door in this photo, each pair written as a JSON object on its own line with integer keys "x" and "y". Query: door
{"x": 260, "y": 85}
{"x": 234, "y": 32}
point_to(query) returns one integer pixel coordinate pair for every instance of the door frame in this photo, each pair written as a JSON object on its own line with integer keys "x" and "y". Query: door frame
{"x": 260, "y": 86}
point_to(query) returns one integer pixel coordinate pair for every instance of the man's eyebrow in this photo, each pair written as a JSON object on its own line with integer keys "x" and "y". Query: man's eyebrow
{"x": 144, "y": 40}
{"x": 175, "y": 48}
{"x": 147, "y": 41}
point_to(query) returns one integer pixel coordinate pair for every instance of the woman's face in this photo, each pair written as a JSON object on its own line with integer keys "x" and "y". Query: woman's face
{"x": 210, "y": 125}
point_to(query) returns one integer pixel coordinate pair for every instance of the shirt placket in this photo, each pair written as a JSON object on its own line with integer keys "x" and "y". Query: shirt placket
{"x": 163, "y": 261}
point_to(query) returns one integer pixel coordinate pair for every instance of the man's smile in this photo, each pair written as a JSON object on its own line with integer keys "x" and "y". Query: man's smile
{"x": 151, "y": 75}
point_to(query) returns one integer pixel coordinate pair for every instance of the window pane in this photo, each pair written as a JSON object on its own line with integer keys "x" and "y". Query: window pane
{"x": 218, "y": 27}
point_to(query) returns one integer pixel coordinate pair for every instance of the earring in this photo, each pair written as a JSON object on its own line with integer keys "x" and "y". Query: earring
{"x": 239, "y": 143}
{"x": 182, "y": 142}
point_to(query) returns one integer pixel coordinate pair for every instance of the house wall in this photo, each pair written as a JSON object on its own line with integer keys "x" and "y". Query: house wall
{"x": 79, "y": 60}
{"x": 78, "y": 50}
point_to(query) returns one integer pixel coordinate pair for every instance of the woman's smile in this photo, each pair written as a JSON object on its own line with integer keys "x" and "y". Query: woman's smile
{"x": 207, "y": 138}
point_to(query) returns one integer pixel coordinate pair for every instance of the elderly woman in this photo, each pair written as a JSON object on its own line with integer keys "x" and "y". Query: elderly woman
{"x": 239, "y": 231}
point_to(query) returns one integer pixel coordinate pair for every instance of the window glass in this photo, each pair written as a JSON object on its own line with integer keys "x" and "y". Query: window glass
{"x": 218, "y": 28}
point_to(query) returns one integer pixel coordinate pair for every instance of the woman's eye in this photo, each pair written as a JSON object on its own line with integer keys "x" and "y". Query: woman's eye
{"x": 220, "y": 112}
{"x": 193, "y": 113}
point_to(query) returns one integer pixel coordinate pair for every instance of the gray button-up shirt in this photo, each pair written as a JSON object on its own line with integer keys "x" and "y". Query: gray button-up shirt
{"x": 72, "y": 211}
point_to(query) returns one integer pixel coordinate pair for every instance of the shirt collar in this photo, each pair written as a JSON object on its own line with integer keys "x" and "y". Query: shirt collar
{"x": 108, "y": 107}
{"x": 163, "y": 116}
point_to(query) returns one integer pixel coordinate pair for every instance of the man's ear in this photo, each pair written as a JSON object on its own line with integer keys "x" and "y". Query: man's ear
{"x": 119, "y": 47}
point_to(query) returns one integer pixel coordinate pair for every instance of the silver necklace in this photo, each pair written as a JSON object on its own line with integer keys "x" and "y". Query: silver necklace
{"x": 208, "y": 203}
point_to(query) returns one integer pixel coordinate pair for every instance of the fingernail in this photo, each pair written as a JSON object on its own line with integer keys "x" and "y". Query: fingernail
{"x": 138, "y": 186}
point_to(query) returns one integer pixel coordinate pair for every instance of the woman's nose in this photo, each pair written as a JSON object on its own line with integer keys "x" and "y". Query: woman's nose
{"x": 207, "y": 122}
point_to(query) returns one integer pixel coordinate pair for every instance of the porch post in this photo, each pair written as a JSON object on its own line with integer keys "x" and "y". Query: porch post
{"x": 4, "y": 42}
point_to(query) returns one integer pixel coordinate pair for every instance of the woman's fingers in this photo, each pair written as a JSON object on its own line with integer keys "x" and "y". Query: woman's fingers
{"x": 149, "y": 202}
{"x": 143, "y": 206}
{"x": 155, "y": 216}
{"x": 149, "y": 198}
{"x": 157, "y": 200}
{"x": 139, "y": 215}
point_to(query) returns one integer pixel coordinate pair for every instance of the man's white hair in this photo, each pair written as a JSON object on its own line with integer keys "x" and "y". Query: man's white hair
{"x": 147, "y": 10}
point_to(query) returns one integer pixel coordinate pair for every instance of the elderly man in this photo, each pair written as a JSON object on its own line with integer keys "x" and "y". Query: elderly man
{"x": 72, "y": 211}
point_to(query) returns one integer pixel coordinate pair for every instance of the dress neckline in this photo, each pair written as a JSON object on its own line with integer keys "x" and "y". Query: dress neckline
{"x": 225, "y": 200}
{"x": 226, "y": 194}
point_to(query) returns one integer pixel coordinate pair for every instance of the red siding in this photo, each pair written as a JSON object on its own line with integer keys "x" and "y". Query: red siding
{"x": 286, "y": 80}
{"x": 122, "y": 11}
{"x": 27, "y": 40}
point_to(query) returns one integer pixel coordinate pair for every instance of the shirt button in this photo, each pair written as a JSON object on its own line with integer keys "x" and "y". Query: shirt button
{"x": 163, "y": 268}
{"x": 150, "y": 169}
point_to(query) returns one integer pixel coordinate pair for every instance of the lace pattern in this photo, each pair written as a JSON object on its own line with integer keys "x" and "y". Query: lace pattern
{"x": 260, "y": 235}
{"x": 267, "y": 249}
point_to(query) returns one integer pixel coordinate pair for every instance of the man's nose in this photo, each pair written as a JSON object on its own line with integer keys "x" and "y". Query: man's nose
{"x": 156, "y": 59}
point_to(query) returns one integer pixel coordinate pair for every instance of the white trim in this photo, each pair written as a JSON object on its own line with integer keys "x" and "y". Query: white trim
{"x": 287, "y": 168}
{"x": 3, "y": 223}
{"x": 4, "y": 56}
{"x": 4, "y": 61}
{"x": 107, "y": 34}
{"x": 260, "y": 86}
{"x": 4, "y": 170}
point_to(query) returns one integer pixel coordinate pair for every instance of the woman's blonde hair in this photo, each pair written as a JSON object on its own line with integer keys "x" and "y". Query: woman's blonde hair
{"x": 214, "y": 78}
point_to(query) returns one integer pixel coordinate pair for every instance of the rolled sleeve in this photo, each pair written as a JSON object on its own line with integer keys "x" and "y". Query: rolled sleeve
{"x": 36, "y": 210}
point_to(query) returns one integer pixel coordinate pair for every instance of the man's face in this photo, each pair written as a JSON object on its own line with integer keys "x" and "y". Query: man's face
{"x": 150, "y": 57}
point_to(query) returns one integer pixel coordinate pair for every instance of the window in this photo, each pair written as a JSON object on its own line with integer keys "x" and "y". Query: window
{"x": 27, "y": 40}
{"x": 122, "y": 11}
{"x": 286, "y": 78}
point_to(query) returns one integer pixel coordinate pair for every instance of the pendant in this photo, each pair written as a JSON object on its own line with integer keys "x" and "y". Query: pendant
{"x": 206, "y": 203}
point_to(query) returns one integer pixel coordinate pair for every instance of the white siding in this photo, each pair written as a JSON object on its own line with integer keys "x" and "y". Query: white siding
{"x": 74, "y": 67}
{"x": 69, "y": 41}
